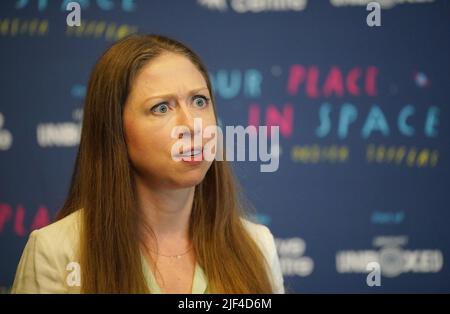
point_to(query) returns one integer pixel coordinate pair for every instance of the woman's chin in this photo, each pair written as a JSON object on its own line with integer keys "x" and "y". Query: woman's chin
{"x": 190, "y": 178}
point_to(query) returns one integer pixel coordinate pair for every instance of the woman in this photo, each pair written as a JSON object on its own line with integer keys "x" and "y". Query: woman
{"x": 136, "y": 220}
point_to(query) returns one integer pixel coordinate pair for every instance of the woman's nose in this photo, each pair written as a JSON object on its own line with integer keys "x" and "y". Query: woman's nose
{"x": 185, "y": 118}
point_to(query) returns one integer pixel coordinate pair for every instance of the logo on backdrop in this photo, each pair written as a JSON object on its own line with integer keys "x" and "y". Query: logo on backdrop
{"x": 335, "y": 105}
{"x": 6, "y": 138}
{"x": 392, "y": 256}
{"x": 251, "y": 6}
{"x": 22, "y": 220}
{"x": 60, "y": 134}
{"x": 261, "y": 6}
{"x": 293, "y": 262}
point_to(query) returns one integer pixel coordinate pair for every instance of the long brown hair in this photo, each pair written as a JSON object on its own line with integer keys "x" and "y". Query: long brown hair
{"x": 103, "y": 186}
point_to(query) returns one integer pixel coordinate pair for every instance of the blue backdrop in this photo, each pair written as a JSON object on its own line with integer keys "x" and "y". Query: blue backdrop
{"x": 364, "y": 136}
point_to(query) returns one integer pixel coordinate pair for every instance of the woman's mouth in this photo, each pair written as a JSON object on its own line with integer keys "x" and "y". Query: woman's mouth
{"x": 193, "y": 152}
{"x": 194, "y": 155}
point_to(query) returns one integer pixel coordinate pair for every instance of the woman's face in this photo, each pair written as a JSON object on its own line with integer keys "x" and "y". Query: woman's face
{"x": 169, "y": 91}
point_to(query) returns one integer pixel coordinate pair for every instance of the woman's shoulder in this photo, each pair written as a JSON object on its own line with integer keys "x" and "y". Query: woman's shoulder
{"x": 59, "y": 240}
{"x": 48, "y": 255}
{"x": 258, "y": 231}
{"x": 262, "y": 235}
{"x": 266, "y": 242}
{"x": 62, "y": 232}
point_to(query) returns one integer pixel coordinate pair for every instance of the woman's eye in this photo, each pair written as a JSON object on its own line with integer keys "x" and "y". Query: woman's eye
{"x": 201, "y": 101}
{"x": 161, "y": 108}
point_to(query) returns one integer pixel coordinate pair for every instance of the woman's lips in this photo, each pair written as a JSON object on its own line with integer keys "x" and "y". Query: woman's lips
{"x": 192, "y": 152}
{"x": 194, "y": 155}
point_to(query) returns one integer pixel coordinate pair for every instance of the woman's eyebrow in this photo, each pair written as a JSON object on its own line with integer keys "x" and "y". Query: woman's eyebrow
{"x": 171, "y": 95}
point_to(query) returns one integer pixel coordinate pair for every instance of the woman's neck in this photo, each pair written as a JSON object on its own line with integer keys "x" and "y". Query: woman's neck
{"x": 167, "y": 212}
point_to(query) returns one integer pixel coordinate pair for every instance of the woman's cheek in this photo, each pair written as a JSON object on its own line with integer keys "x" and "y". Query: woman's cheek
{"x": 158, "y": 138}
{"x": 140, "y": 138}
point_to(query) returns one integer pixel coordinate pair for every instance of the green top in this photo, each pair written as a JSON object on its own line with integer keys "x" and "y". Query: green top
{"x": 199, "y": 283}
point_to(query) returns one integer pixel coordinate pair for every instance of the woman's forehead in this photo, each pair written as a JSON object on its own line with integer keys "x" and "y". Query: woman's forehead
{"x": 170, "y": 73}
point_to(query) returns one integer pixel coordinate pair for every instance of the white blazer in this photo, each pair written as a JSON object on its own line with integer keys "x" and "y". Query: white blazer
{"x": 48, "y": 257}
